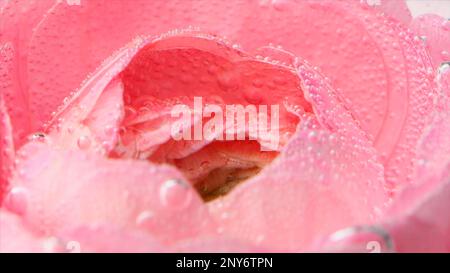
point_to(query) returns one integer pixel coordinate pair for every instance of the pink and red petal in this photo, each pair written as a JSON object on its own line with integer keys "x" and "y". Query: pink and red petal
{"x": 16, "y": 28}
{"x": 7, "y": 152}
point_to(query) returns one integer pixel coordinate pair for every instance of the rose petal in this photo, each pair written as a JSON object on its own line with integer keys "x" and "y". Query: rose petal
{"x": 71, "y": 188}
{"x": 18, "y": 21}
{"x": 425, "y": 227}
{"x": 6, "y": 149}
{"x": 96, "y": 110}
{"x": 91, "y": 123}
{"x": 418, "y": 220}
{"x": 433, "y": 161}
{"x": 15, "y": 99}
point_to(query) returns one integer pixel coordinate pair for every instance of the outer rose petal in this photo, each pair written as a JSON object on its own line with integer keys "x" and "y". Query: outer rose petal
{"x": 6, "y": 149}
{"x": 436, "y": 32}
{"x": 104, "y": 238}
{"x": 344, "y": 38}
{"x": 16, "y": 28}
{"x": 425, "y": 228}
{"x": 66, "y": 189}
{"x": 16, "y": 237}
{"x": 418, "y": 220}
{"x": 422, "y": 209}
{"x": 433, "y": 151}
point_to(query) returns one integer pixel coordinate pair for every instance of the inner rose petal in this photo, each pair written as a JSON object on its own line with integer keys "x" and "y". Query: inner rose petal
{"x": 200, "y": 73}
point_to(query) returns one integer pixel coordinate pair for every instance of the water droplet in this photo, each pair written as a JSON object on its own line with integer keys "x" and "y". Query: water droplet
{"x": 257, "y": 83}
{"x": 253, "y": 96}
{"x": 52, "y": 245}
{"x": 446, "y": 25}
{"x": 312, "y": 135}
{"x": 84, "y": 142}
{"x": 16, "y": 200}
{"x": 445, "y": 55}
{"x": 144, "y": 218}
{"x": 109, "y": 130}
{"x": 444, "y": 67}
{"x": 280, "y": 5}
{"x": 228, "y": 81}
{"x": 175, "y": 194}
{"x": 106, "y": 146}
{"x": 279, "y": 80}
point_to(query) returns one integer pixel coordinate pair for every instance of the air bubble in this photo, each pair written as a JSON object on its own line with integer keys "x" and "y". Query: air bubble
{"x": 84, "y": 142}
{"x": 16, "y": 201}
{"x": 175, "y": 194}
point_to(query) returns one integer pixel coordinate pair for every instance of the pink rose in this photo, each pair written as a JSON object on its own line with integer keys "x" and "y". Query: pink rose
{"x": 359, "y": 157}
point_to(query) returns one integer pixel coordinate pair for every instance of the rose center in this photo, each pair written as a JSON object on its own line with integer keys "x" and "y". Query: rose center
{"x": 186, "y": 71}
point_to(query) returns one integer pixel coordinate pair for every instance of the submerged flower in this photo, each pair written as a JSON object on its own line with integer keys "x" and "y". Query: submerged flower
{"x": 89, "y": 161}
